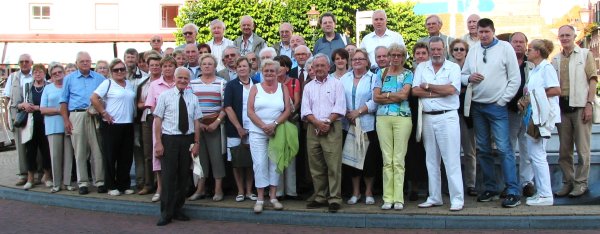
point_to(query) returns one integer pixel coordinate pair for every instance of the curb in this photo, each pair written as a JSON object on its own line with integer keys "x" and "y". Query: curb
{"x": 349, "y": 220}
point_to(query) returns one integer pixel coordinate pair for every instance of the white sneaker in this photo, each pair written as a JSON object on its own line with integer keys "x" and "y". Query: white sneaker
{"x": 70, "y": 188}
{"x": 27, "y": 186}
{"x": 398, "y": 206}
{"x": 49, "y": 183}
{"x": 353, "y": 200}
{"x": 276, "y": 204}
{"x": 369, "y": 200}
{"x": 456, "y": 207}
{"x": 258, "y": 207}
{"x": 156, "y": 197}
{"x": 114, "y": 192}
{"x": 541, "y": 201}
{"x": 386, "y": 206}
{"x": 129, "y": 191}
{"x": 55, "y": 189}
{"x": 428, "y": 204}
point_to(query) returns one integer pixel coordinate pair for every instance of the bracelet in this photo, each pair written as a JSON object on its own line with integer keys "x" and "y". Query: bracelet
{"x": 219, "y": 119}
{"x": 387, "y": 96}
{"x": 359, "y": 112}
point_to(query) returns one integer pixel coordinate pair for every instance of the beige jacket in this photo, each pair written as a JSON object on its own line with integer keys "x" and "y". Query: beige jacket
{"x": 578, "y": 80}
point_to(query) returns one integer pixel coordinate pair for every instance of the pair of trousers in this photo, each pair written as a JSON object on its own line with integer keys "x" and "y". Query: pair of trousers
{"x": 175, "y": 171}
{"x": 38, "y": 141}
{"x": 441, "y": 137}
{"x": 572, "y": 131}
{"x": 265, "y": 173}
{"x": 393, "y": 132}
{"x": 517, "y": 137}
{"x": 325, "y": 163}
{"x": 539, "y": 163}
{"x": 61, "y": 157}
{"x": 22, "y": 156}
{"x": 492, "y": 120}
{"x": 138, "y": 155}
{"x": 210, "y": 154}
{"x": 118, "y": 154}
{"x": 287, "y": 181}
{"x": 148, "y": 149}
{"x": 86, "y": 147}
{"x": 467, "y": 142}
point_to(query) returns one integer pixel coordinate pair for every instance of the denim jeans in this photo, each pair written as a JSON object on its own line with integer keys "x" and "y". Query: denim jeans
{"x": 491, "y": 121}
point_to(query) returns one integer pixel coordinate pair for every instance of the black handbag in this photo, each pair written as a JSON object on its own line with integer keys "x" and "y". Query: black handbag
{"x": 20, "y": 119}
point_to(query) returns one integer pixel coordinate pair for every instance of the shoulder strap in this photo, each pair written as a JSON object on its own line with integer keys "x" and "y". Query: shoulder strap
{"x": 108, "y": 89}
{"x": 344, "y": 39}
{"x": 384, "y": 74}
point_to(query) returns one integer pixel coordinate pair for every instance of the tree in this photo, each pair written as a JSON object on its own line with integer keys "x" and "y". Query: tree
{"x": 269, "y": 14}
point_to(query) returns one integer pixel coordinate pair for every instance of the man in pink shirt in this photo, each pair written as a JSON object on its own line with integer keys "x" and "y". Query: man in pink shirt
{"x": 323, "y": 104}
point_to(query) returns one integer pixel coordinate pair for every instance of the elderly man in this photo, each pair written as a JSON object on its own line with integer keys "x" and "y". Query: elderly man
{"x": 492, "y": 69}
{"x": 248, "y": 41}
{"x": 265, "y": 53}
{"x": 177, "y": 135}
{"x": 578, "y": 79}
{"x": 218, "y": 43}
{"x": 191, "y": 52}
{"x": 382, "y": 36}
{"x": 437, "y": 84}
{"x": 297, "y": 40}
{"x": 382, "y": 59}
{"x": 156, "y": 43}
{"x": 433, "y": 23}
{"x": 284, "y": 47}
{"x": 131, "y": 60}
{"x": 471, "y": 37}
{"x": 301, "y": 54}
{"x": 13, "y": 95}
{"x": 189, "y": 31}
{"x": 74, "y": 101}
{"x": 169, "y": 51}
{"x": 251, "y": 56}
{"x": 230, "y": 55}
{"x": 323, "y": 104}
{"x": 330, "y": 40}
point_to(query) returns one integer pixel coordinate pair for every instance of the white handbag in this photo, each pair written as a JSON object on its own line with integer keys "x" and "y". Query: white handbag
{"x": 596, "y": 111}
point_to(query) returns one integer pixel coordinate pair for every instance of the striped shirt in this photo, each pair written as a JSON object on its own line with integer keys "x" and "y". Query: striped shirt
{"x": 167, "y": 108}
{"x": 156, "y": 88}
{"x": 321, "y": 99}
{"x": 210, "y": 95}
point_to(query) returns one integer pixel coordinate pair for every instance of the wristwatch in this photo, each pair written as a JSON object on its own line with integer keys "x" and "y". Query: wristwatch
{"x": 427, "y": 87}
{"x": 591, "y": 103}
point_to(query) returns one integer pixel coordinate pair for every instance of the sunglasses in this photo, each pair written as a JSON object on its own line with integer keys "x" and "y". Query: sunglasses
{"x": 118, "y": 70}
{"x": 155, "y": 40}
{"x": 24, "y": 61}
{"x": 229, "y": 56}
{"x": 188, "y": 33}
{"x": 484, "y": 58}
{"x": 458, "y": 49}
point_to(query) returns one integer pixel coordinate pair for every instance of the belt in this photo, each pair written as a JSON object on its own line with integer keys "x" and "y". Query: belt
{"x": 437, "y": 112}
{"x": 79, "y": 110}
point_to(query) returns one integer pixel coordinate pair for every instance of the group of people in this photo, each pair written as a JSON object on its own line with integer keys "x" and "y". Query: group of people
{"x": 281, "y": 114}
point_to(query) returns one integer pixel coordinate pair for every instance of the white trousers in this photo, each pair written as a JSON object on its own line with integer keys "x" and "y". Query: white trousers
{"x": 61, "y": 158}
{"x": 537, "y": 154}
{"x": 265, "y": 173}
{"x": 287, "y": 181}
{"x": 441, "y": 138}
{"x": 517, "y": 137}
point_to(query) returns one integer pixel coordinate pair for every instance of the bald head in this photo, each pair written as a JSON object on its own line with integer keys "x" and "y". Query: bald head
{"x": 247, "y": 25}
{"x": 472, "y": 23}
{"x": 285, "y": 32}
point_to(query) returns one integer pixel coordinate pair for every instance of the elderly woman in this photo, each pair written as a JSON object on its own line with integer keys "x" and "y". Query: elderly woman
{"x": 38, "y": 142}
{"x": 351, "y": 48}
{"x": 61, "y": 149}
{"x": 268, "y": 105}
{"x": 102, "y": 68}
{"x": 341, "y": 60}
{"x": 70, "y": 67}
{"x": 542, "y": 78}
{"x": 393, "y": 124}
{"x": 179, "y": 57}
{"x": 117, "y": 112}
{"x": 458, "y": 51}
{"x": 237, "y": 124}
{"x": 209, "y": 89}
{"x": 358, "y": 88}
{"x": 164, "y": 83}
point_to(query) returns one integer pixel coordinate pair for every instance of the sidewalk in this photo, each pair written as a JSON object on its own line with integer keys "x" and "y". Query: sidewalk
{"x": 475, "y": 215}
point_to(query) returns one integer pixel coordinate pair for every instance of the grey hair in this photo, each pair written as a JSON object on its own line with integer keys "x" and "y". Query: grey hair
{"x": 380, "y": 11}
{"x": 184, "y": 69}
{"x": 380, "y": 47}
{"x": 231, "y": 47}
{"x": 81, "y": 53}
{"x": 268, "y": 62}
{"x": 53, "y": 65}
{"x": 309, "y": 62}
{"x": 267, "y": 49}
{"x": 191, "y": 25}
{"x": 303, "y": 47}
{"x": 321, "y": 55}
{"x": 436, "y": 16}
{"x": 217, "y": 21}
{"x": 436, "y": 39}
{"x": 247, "y": 17}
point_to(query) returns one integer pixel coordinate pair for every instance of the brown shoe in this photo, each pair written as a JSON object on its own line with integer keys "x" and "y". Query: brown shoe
{"x": 21, "y": 182}
{"x": 564, "y": 191}
{"x": 144, "y": 191}
{"x": 578, "y": 190}
{"x": 528, "y": 190}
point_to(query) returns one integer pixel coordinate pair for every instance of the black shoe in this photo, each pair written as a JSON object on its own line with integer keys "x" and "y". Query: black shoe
{"x": 413, "y": 196}
{"x": 488, "y": 196}
{"x": 511, "y": 201}
{"x": 471, "y": 192}
{"x": 293, "y": 198}
{"x": 334, "y": 207}
{"x": 528, "y": 190}
{"x": 504, "y": 193}
{"x": 315, "y": 205}
{"x": 102, "y": 189}
{"x": 83, "y": 190}
{"x": 163, "y": 222}
{"x": 181, "y": 217}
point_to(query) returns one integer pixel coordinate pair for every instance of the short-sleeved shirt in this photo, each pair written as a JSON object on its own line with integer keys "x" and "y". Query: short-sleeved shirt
{"x": 394, "y": 83}
{"x": 120, "y": 101}
{"x": 372, "y": 40}
{"x": 51, "y": 99}
{"x": 156, "y": 88}
{"x": 210, "y": 95}
{"x": 542, "y": 76}
{"x": 590, "y": 70}
{"x": 77, "y": 89}
{"x": 167, "y": 108}
{"x": 323, "y": 98}
{"x": 448, "y": 74}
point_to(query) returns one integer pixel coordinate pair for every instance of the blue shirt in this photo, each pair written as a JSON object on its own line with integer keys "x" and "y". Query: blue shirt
{"x": 327, "y": 47}
{"x": 394, "y": 83}
{"x": 50, "y": 99}
{"x": 78, "y": 89}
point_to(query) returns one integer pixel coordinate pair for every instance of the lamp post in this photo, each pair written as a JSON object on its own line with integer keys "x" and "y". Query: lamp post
{"x": 313, "y": 20}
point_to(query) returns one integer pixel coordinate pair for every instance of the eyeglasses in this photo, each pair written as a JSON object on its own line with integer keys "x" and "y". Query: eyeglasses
{"x": 229, "y": 56}
{"x": 397, "y": 55}
{"x": 159, "y": 40}
{"x": 458, "y": 49}
{"x": 252, "y": 59}
{"x": 484, "y": 58}
{"x": 101, "y": 68}
{"x": 188, "y": 33}
{"x": 358, "y": 59}
{"x": 57, "y": 73}
{"x": 118, "y": 70}
{"x": 24, "y": 61}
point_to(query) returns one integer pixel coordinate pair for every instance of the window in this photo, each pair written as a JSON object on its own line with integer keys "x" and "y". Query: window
{"x": 107, "y": 16}
{"x": 40, "y": 17}
{"x": 168, "y": 16}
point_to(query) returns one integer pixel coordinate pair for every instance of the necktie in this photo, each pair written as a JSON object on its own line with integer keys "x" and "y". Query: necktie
{"x": 301, "y": 75}
{"x": 183, "y": 118}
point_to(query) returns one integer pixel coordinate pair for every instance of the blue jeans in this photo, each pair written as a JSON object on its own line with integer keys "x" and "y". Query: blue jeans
{"x": 494, "y": 118}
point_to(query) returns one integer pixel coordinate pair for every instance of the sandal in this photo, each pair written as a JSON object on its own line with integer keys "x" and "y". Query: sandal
{"x": 239, "y": 198}
{"x": 218, "y": 197}
{"x": 252, "y": 196}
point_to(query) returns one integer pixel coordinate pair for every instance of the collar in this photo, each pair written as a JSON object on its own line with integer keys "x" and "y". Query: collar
{"x": 429, "y": 65}
{"x": 384, "y": 34}
{"x": 250, "y": 39}
{"x": 79, "y": 75}
{"x": 322, "y": 82}
{"x": 163, "y": 82}
{"x": 213, "y": 41}
{"x": 282, "y": 46}
{"x": 576, "y": 50}
{"x": 542, "y": 64}
{"x": 29, "y": 74}
{"x": 494, "y": 42}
